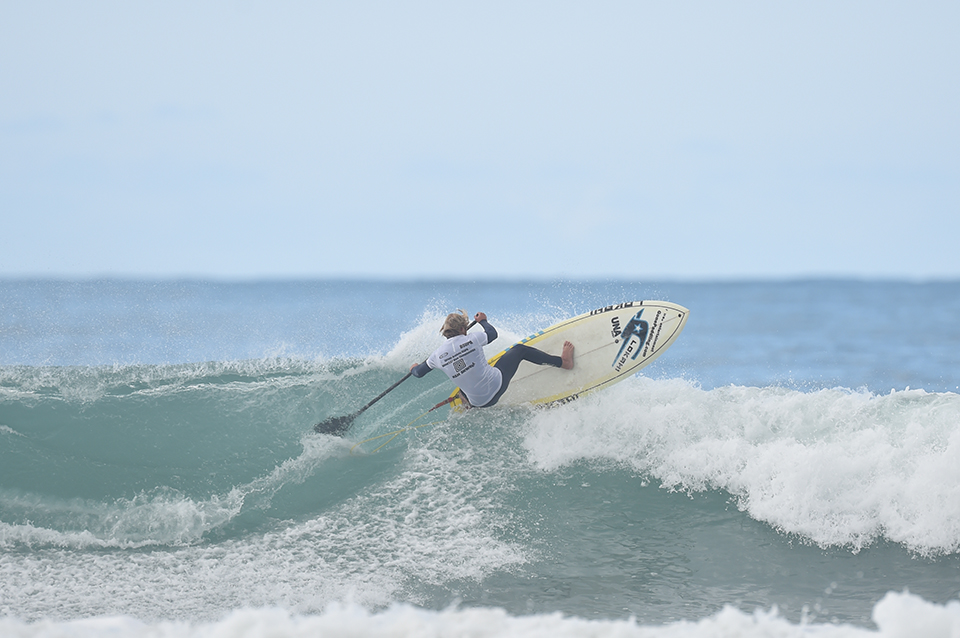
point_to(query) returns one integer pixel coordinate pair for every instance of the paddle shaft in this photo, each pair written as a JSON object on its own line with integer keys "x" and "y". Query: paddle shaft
{"x": 382, "y": 394}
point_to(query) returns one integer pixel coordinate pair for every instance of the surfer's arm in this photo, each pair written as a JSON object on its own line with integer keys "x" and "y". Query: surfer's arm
{"x": 420, "y": 370}
{"x": 490, "y": 330}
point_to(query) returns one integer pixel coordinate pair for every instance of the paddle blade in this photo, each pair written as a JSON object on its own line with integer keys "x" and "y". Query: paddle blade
{"x": 335, "y": 425}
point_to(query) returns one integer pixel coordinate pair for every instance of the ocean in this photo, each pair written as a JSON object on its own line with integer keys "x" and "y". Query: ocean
{"x": 789, "y": 467}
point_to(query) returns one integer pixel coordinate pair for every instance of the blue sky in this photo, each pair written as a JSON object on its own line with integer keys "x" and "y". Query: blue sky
{"x": 636, "y": 140}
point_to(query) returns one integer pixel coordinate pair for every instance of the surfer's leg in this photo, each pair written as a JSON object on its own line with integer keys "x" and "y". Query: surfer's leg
{"x": 510, "y": 361}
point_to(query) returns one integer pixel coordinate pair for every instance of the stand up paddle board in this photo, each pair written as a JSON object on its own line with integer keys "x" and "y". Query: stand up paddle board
{"x": 610, "y": 344}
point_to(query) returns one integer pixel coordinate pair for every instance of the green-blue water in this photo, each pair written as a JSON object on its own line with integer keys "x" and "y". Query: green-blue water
{"x": 799, "y": 446}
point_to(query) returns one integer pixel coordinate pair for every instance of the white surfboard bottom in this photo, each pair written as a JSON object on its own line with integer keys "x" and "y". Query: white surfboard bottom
{"x": 610, "y": 344}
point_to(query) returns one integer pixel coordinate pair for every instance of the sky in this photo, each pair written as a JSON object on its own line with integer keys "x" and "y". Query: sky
{"x": 423, "y": 140}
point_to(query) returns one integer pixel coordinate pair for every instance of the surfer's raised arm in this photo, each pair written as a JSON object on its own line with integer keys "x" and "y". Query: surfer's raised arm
{"x": 481, "y": 318}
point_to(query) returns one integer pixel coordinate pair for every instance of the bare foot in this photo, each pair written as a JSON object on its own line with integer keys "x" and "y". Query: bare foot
{"x": 567, "y": 356}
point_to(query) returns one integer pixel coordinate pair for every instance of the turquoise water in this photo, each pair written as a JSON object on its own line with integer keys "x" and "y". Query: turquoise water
{"x": 797, "y": 448}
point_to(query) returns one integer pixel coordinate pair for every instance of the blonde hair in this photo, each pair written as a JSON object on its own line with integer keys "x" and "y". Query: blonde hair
{"x": 455, "y": 323}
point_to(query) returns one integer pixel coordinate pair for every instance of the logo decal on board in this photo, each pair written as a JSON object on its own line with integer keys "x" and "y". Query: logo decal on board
{"x": 615, "y": 324}
{"x": 634, "y": 335}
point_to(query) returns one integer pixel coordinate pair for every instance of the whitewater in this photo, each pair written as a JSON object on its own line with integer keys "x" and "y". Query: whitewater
{"x": 791, "y": 466}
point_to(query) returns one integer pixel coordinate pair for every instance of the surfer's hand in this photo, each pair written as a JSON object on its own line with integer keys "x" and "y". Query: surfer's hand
{"x": 480, "y": 317}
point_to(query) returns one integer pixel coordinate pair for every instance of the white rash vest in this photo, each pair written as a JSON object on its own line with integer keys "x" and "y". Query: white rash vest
{"x": 462, "y": 358}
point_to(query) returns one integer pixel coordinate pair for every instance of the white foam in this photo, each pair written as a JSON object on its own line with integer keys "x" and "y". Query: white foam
{"x": 416, "y": 344}
{"x": 433, "y": 523}
{"x": 165, "y": 517}
{"x": 902, "y": 615}
{"x": 88, "y": 384}
{"x": 834, "y": 466}
{"x": 896, "y": 615}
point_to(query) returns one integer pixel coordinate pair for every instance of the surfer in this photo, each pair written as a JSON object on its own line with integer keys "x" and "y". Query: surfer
{"x": 461, "y": 357}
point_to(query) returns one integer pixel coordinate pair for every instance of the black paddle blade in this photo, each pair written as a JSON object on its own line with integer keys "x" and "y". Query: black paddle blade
{"x": 338, "y": 425}
{"x": 335, "y": 425}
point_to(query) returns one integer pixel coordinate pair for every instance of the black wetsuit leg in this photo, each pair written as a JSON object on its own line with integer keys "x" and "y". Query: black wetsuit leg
{"x": 510, "y": 361}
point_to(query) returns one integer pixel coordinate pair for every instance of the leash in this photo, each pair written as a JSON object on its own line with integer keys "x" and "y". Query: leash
{"x": 397, "y": 433}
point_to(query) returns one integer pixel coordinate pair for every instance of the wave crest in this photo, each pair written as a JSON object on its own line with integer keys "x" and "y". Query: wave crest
{"x": 836, "y": 467}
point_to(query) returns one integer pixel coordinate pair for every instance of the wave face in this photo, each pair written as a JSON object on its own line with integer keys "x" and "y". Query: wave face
{"x": 181, "y": 491}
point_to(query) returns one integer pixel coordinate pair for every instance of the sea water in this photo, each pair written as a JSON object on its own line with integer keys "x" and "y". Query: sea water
{"x": 790, "y": 466}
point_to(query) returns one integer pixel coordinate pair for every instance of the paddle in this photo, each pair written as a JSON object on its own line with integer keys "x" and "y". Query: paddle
{"x": 338, "y": 425}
